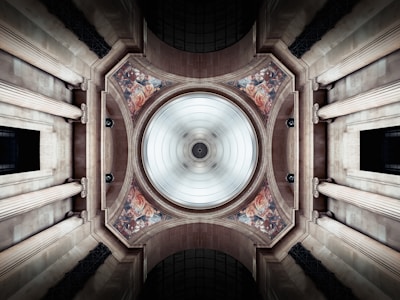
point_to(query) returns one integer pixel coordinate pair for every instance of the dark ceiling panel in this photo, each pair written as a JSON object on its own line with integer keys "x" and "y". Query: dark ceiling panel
{"x": 200, "y": 26}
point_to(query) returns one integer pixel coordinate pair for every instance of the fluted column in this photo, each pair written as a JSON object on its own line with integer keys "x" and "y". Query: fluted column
{"x": 382, "y": 205}
{"x": 18, "y": 46}
{"x": 21, "y": 252}
{"x": 384, "y": 95}
{"x": 10, "y": 207}
{"x": 384, "y": 256}
{"x": 381, "y": 46}
{"x": 15, "y": 95}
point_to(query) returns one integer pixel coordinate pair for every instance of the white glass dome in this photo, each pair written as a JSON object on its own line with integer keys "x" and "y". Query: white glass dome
{"x": 199, "y": 150}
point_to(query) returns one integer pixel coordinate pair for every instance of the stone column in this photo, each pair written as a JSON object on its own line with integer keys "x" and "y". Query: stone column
{"x": 16, "y": 205}
{"x": 384, "y": 256}
{"x": 379, "y": 47}
{"x": 15, "y": 95}
{"x": 384, "y": 95}
{"x": 18, "y": 46}
{"x": 21, "y": 252}
{"x": 382, "y": 205}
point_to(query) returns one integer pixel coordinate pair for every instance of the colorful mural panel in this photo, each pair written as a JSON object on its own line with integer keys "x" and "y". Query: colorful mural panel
{"x": 262, "y": 214}
{"x": 136, "y": 86}
{"x": 263, "y": 86}
{"x": 137, "y": 213}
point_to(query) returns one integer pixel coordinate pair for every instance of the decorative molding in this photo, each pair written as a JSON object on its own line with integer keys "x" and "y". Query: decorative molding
{"x": 262, "y": 213}
{"x": 315, "y": 182}
{"x": 315, "y": 216}
{"x": 136, "y": 86}
{"x": 84, "y": 183}
{"x": 262, "y": 87}
{"x": 315, "y": 117}
{"x": 136, "y": 214}
{"x": 84, "y": 117}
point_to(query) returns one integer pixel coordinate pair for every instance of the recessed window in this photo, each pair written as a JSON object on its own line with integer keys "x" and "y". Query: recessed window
{"x": 200, "y": 26}
{"x": 199, "y": 274}
{"x": 19, "y": 150}
{"x": 380, "y": 150}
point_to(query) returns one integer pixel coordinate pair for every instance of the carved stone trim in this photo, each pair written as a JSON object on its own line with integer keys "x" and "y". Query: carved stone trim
{"x": 84, "y": 117}
{"x": 315, "y": 182}
{"x": 315, "y": 117}
{"x": 84, "y": 183}
{"x": 315, "y": 216}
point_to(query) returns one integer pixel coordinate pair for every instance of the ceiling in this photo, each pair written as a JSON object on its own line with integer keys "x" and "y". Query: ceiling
{"x": 200, "y": 26}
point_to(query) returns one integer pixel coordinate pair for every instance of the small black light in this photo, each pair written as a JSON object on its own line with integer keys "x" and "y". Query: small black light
{"x": 109, "y": 177}
{"x": 109, "y": 122}
{"x": 290, "y": 122}
{"x": 290, "y": 178}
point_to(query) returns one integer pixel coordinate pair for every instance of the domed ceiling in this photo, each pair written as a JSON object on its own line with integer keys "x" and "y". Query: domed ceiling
{"x": 200, "y": 26}
{"x": 183, "y": 150}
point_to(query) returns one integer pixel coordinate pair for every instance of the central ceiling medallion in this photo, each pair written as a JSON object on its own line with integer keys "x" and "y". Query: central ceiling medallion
{"x": 199, "y": 150}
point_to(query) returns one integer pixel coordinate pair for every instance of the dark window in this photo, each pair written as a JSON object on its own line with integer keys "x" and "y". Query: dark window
{"x": 380, "y": 150}
{"x": 200, "y": 26}
{"x": 199, "y": 274}
{"x": 19, "y": 150}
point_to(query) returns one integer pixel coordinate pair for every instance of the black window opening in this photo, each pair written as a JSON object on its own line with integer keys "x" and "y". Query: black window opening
{"x": 200, "y": 26}
{"x": 380, "y": 150}
{"x": 199, "y": 274}
{"x": 19, "y": 150}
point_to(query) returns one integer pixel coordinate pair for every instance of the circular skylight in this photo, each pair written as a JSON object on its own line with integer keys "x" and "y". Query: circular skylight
{"x": 199, "y": 150}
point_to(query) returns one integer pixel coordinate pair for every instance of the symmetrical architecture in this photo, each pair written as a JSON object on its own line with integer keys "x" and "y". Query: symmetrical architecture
{"x": 199, "y": 149}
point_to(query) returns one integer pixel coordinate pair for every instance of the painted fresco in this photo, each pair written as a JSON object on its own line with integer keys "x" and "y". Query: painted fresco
{"x": 136, "y": 86}
{"x": 137, "y": 213}
{"x": 262, "y": 214}
{"x": 263, "y": 86}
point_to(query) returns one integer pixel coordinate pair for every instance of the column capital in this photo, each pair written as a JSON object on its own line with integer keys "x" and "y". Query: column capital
{"x": 84, "y": 117}
{"x": 315, "y": 117}
{"x": 83, "y": 86}
{"x": 316, "y": 86}
{"x": 84, "y": 183}
{"x": 315, "y": 216}
{"x": 315, "y": 182}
